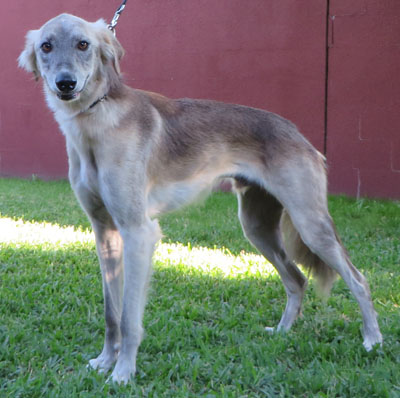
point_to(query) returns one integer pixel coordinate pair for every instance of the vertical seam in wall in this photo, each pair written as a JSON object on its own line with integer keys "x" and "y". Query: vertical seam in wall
{"x": 327, "y": 31}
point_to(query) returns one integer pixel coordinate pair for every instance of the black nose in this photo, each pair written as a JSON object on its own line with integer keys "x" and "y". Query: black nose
{"x": 65, "y": 83}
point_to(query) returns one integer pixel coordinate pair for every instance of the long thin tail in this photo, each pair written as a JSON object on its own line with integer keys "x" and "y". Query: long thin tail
{"x": 302, "y": 255}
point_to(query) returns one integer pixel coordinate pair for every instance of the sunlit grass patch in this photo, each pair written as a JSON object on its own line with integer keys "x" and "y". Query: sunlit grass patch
{"x": 19, "y": 231}
{"x": 213, "y": 261}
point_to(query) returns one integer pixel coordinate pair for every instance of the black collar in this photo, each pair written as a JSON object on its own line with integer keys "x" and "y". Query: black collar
{"x": 103, "y": 98}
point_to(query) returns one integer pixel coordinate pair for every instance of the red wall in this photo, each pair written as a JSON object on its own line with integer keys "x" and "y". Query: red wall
{"x": 264, "y": 53}
{"x": 364, "y": 97}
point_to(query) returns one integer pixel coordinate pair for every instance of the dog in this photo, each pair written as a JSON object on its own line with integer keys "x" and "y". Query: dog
{"x": 135, "y": 154}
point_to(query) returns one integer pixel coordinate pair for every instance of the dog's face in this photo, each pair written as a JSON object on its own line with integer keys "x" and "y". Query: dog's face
{"x": 69, "y": 53}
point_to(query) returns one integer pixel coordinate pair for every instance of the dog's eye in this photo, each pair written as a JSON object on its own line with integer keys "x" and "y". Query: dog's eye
{"x": 83, "y": 45}
{"x": 46, "y": 47}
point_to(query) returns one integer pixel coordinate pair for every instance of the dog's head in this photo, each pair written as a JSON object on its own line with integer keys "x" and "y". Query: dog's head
{"x": 71, "y": 54}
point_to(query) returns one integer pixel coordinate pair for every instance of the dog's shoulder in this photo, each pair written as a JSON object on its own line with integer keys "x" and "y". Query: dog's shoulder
{"x": 163, "y": 105}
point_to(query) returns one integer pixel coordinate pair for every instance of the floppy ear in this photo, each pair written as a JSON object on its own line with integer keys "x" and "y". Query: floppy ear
{"x": 27, "y": 59}
{"x": 110, "y": 48}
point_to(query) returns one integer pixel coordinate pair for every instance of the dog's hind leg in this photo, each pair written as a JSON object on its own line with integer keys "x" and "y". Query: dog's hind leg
{"x": 260, "y": 214}
{"x": 302, "y": 191}
{"x": 318, "y": 233}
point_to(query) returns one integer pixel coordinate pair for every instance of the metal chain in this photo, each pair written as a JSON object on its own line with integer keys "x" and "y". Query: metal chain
{"x": 117, "y": 14}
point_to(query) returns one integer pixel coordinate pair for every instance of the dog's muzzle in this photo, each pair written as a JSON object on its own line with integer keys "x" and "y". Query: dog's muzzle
{"x": 66, "y": 84}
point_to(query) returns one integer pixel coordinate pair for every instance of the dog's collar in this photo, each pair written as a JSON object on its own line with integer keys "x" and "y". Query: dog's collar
{"x": 101, "y": 99}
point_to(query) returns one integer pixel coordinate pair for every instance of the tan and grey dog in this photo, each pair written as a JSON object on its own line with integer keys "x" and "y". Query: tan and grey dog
{"x": 134, "y": 154}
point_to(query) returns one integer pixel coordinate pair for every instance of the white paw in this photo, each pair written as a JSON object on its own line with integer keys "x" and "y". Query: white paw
{"x": 123, "y": 371}
{"x": 103, "y": 363}
{"x": 370, "y": 342}
{"x": 270, "y": 330}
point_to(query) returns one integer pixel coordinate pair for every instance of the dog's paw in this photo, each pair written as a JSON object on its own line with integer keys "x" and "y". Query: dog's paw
{"x": 123, "y": 371}
{"x": 370, "y": 342}
{"x": 103, "y": 363}
{"x": 269, "y": 329}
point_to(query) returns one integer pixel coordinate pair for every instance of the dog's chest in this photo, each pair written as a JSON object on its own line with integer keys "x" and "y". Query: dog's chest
{"x": 83, "y": 156}
{"x": 85, "y": 166}
{"x": 88, "y": 171}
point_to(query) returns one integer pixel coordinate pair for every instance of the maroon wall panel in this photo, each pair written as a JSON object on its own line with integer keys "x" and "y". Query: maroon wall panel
{"x": 263, "y": 53}
{"x": 363, "y": 145}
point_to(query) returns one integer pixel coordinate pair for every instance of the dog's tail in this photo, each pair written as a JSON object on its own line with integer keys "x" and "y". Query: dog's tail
{"x": 302, "y": 255}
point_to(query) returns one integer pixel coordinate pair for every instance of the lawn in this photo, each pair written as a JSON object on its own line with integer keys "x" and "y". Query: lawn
{"x": 211, "y": 296}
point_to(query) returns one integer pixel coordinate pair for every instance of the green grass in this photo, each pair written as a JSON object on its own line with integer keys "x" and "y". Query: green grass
{"x": 210, "y": 299}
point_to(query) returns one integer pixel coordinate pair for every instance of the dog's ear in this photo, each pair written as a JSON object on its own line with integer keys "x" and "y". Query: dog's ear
{"x": 27, "y": 59}
{"x": 111, "y": 50}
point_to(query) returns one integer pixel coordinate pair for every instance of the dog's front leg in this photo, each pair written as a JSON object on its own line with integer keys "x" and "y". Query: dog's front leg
{"x": 110, "y": 252}
{"x": 139, "y": 244}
